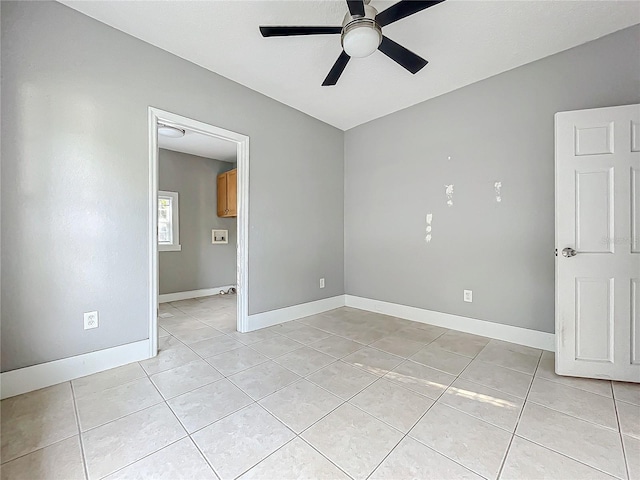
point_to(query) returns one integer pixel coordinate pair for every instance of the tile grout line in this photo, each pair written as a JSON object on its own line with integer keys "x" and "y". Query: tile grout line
{"x": 343, "y": 402}
{"x": 60, "y": 440}
{"x": 526, "y": 399}
{"x": 612, "y": 398}
{"x": 624, "y": 450}
{"x": 143, "y": 457}
{"x": 567, "y": 456}
{"x": 627, "y": 402}
{"x": 547, "y": 447}
{"x": 295, "y": 435}
{"x": 556, "y": 382}
{"x": 404, "y": 435}
{"x": 263, "y": 397}
{"x": 201, "y": 453}
{"x": 390, "y": 452}
{"x": 238, "y": 371}
{"x": 513, "y": 434}
{"x": 425, "y": 413}
{"x": 163, "y": 401}
{"x": 193, "y": 442}
{"x": 5, "y": 463}
{"x": 253, "y": 402}
{"x": 349, "y": 398}
{"x": 80, "y": 439}
{"x": 506, "y": 430}
{"x": 263, "y": 459}
{"x": 236, "y": 386}
{"x": 591, "y": 422}
{"x": 273, "y": 359}
{"x": 324, "y": 456}
{"x": 224, "y": 377}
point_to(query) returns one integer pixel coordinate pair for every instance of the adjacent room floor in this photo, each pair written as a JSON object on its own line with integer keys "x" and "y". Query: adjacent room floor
{"x": 345, "y": 394}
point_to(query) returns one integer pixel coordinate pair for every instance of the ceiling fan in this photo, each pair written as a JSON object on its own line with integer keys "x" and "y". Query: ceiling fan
{"x": 361, "y": 34}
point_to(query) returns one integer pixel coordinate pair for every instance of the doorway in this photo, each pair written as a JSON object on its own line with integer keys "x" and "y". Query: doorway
{"x": 241, "y": 142}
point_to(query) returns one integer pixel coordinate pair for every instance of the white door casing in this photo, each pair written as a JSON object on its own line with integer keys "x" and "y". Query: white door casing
{"x": 598, "y": 221}
{"x": 156, "y": 116}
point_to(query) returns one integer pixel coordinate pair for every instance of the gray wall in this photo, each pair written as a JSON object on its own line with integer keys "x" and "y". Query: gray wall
{"x": 500, "y": 129}
{"x": 200, "y": 264}
{"x": 75, "y": 183}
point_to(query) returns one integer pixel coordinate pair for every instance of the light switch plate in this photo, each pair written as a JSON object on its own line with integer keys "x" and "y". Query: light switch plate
{"x": 219, "y": 236}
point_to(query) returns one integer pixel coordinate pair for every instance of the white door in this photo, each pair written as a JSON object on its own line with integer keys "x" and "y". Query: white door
{"x": 598, "y": 243}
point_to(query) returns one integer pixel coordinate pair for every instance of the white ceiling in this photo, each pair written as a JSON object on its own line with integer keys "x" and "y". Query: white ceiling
{"x": 464, "y": 40}
{"x": 201, "y": 145}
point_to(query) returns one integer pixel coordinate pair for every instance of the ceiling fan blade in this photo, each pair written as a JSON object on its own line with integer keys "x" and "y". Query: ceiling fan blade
{"x": 402, "y": 9}
{"x": 336, "y": 70}
{"x": 356, "y": 7}
{"x": 289, "y": 31}
{"x": 401, "y": 55}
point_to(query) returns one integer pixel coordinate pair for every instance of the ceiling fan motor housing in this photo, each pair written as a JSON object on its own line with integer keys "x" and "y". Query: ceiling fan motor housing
{"x": 361, "y": 36}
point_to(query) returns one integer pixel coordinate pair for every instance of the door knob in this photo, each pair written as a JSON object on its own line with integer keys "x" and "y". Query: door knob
{"x": 569, "y": 252}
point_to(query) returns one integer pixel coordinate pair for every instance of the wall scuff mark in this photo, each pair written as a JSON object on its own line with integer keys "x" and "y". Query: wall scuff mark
{"x": 449, "y": 193}
{"x": 497, "y": 186}
{"x": 428, "y": 229}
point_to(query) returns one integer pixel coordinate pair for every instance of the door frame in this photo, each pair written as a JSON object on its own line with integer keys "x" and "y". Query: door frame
{"x": 242, "y": 255}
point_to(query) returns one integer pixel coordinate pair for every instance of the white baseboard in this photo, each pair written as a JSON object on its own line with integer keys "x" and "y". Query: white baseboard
{"x": 22, "y": 380}
{"x": 508, "y": 333}
{"x": 205, "y": 292}
{"x": 274, "y": 317}
{"x": 27, "y": 379}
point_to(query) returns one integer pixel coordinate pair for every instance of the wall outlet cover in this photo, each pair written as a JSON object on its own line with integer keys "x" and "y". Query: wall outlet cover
{"x": 322, "y": 283}
{"x": 219, "y": 236}
{"x": 468, "y": 295}
{"x": 90, "y": 320}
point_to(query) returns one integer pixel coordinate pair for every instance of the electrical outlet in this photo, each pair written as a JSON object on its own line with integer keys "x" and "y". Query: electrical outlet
{"x": 468, "y": 295}
{"x": 322, "y": 283}
{"x": 90, "y": 320}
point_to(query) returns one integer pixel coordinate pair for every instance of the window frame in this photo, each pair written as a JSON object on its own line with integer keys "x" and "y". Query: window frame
{"x": 174, "y": 246}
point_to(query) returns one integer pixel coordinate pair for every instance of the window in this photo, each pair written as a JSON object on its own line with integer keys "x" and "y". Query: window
{"x": 168, "y": 222}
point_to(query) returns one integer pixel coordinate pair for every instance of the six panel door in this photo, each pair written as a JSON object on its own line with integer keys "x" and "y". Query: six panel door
{"x": 597, "y": 243}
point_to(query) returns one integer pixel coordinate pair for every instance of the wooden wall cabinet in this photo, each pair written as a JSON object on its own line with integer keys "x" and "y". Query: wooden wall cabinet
{"x": 228, "y": 193}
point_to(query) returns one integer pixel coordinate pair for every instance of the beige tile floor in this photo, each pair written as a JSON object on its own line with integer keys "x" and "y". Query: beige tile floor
{"x": 346, "y": 394}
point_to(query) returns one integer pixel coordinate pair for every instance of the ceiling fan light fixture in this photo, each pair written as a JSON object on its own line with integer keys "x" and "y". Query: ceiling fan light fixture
{"x": 170, "y": 131}
{"x": 361, "y": 34}
{"x": 361, "y": 38}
